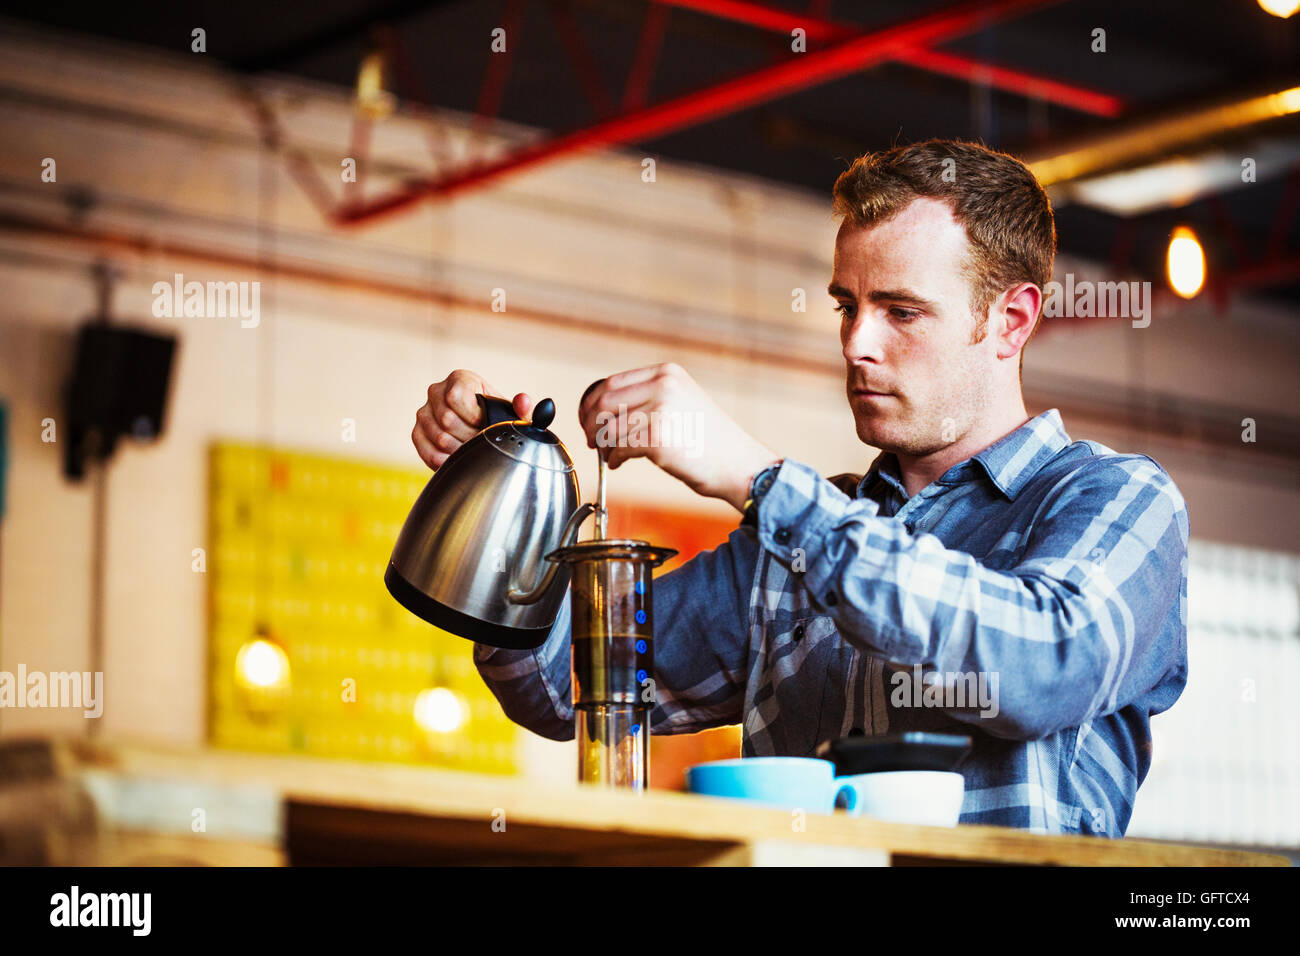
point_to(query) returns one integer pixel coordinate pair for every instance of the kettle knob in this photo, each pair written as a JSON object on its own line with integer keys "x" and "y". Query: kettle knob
{"x": 543, "y": 413}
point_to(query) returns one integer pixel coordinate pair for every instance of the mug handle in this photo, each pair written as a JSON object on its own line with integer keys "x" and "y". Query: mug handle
{"x": 841, "y": 788}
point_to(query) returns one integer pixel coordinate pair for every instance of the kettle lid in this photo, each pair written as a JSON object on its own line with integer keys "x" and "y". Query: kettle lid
{"x": 498, "y": 411}
{"x": 529, "y": 443}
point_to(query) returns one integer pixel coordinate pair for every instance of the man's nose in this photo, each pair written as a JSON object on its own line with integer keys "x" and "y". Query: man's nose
{"x": 863, "y": 340}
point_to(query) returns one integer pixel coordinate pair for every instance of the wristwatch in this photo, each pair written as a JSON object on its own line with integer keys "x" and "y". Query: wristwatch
{"x": 757, "y": 489}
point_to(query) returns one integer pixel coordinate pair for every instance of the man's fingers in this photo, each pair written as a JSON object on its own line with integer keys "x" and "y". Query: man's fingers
{"x": 460, "y": 396}
{"x": 634, "y": 395}
{"x": 633, "y": 376}
{"x": 639, "y": 439}
{"x": 524, "y": 406}
{"x": 452, "y": 415}
{"x": 604, "y": 422}
{"x": 621, "y": 380}
{"x": 445, "y": 419}
{"x": 428, "y": 453}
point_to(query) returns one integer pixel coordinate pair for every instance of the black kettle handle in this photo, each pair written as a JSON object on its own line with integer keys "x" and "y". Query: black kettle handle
{"x": 498, "y": 410}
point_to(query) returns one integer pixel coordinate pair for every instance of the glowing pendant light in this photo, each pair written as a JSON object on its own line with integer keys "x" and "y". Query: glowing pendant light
{"x": 1185, "y": 263}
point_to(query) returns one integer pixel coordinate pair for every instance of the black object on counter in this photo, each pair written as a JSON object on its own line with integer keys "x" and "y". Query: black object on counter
{"x": 907, "y": 751}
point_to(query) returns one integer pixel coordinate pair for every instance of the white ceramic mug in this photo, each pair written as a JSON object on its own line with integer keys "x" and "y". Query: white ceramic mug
{"x": 926, "y": 797}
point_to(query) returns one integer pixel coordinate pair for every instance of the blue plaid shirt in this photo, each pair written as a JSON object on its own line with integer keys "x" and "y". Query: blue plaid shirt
{"x": 1034, "y": 597}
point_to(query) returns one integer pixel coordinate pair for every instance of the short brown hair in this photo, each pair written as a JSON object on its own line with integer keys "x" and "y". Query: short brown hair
{"x": 1007, "y": 215}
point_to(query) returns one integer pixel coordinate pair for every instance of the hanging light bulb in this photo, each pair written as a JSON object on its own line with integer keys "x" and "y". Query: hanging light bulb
{"x": 262, "y": 664}
{"x": 440, "y": 710}
{"x": 1185, "y": 263}
{"x": 262, "y": 674}
{"x": 1280, "y": 8}
{"x": 373, "y": 97}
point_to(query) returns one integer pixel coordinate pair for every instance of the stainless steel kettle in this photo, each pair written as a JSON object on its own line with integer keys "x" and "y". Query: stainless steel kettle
{"x": 471, "y": 557}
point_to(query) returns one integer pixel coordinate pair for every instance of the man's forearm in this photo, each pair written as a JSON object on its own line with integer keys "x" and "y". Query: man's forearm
{"x": 533, "y": 687}
{"x": 1057, "y": 632}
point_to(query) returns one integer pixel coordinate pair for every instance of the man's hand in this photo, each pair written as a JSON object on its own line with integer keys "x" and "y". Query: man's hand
{"x": 452, "y": 415}
{"x": 661, "y": 413}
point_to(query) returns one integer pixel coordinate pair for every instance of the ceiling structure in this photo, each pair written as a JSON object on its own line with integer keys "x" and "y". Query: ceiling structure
{"x": 1163, "y": 113}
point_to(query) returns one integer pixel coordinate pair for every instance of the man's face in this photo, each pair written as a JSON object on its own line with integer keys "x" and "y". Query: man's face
{"x": 915, "y": 381}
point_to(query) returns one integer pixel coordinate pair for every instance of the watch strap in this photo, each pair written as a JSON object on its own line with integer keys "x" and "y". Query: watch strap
{"x": 759, "y": 487}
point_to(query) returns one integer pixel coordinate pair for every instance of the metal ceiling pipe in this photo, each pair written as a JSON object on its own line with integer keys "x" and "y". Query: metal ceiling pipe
{"x": 1141, "y": 139}
{"x": 944, "y": 63}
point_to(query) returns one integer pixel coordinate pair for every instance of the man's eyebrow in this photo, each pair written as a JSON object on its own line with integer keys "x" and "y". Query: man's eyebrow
{"x": 902, "y": 295}
{"x": 885, "y": 295}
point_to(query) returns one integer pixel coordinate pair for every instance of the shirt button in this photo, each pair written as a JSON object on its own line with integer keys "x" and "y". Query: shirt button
{"x": 830, "y": 598}
{"x": 782, "y": 535}
{"x": 798, "y": 633}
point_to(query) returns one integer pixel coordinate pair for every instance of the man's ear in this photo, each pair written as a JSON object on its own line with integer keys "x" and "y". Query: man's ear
{"x": 1018, "y": 310}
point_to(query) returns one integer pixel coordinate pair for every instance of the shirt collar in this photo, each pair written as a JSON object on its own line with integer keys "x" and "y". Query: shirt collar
{"x": 884, "y": 470}
{"x": 1010, "y": 462}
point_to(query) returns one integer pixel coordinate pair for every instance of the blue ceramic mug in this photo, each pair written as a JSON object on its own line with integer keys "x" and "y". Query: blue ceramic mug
{"x": 804, "y": 783}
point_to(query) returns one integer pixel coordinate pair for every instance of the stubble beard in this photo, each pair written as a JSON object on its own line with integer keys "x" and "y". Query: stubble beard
{"x": 905, "y": 430}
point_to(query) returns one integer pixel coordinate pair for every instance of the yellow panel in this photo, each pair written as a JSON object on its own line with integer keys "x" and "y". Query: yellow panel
{"x": 300, "y": 541}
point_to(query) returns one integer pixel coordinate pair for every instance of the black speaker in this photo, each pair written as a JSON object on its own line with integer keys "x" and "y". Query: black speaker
{"x": 119, "y": 385}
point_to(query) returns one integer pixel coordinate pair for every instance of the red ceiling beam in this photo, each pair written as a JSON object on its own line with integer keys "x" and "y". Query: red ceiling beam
{"x": 935, "y": 61}
{"x": 580, "y": 57}
{"x": 1285, "y": 214}
{"x": 722, "y": 99}
{"x": 1278, "y": 270}
{"x": 647, "y": 51}
{"x": 1029, "y": 85}
{"x": 498, "y": 69}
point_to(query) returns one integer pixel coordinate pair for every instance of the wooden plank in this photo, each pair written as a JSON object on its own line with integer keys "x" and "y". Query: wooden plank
{"x": 581, "y": 814}
{"x": 138, "y": 848}
{"x": 320, "y": 834}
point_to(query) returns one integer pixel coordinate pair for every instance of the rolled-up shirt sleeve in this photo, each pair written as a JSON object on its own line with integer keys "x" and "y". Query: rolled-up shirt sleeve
{"x": 1078, "y": 628}
{"x": 533, "y": 687}
{"x": 701, "y": 634}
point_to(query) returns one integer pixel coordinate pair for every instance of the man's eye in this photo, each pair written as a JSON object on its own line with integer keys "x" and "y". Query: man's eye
{"x": 903, "y": 315}
{"x": 843, "y": 310}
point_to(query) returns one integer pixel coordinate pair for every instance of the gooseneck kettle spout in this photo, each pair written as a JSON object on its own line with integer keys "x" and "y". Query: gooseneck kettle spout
{"x": 568, "y": 537}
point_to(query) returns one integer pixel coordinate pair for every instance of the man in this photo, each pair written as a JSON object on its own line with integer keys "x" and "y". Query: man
{"x": 987, "y": 576}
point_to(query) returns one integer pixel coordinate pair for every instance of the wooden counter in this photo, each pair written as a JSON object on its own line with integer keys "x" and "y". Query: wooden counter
{"x": 309, "y": 810}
